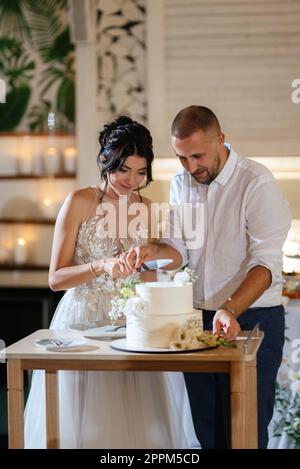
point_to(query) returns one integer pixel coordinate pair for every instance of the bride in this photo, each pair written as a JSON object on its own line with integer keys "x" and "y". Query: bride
{"x": 107, "y": 409}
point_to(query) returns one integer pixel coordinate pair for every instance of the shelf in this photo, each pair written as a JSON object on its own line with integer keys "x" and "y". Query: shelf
{"x": 30, "y": 221}
{"x": 34, "y": 176}
{"x": 37, "y": 134}
{"x": 10, "y": 267}
{"x": 291, "y": 276}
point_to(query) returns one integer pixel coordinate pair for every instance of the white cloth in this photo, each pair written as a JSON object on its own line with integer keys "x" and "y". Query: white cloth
{"x": 246, "y": 221}
{"x": 108, "y": 409}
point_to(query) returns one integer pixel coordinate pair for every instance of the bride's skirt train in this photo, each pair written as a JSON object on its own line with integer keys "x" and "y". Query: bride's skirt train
{"x": 114, "y": 410}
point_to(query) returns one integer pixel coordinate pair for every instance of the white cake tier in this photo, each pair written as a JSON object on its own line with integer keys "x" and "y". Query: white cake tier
{"x": 166, "y": 298}
{"x": 155, "y": 331}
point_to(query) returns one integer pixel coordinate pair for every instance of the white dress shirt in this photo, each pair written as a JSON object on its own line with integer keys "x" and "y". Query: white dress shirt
{"x": 246, "y": 221}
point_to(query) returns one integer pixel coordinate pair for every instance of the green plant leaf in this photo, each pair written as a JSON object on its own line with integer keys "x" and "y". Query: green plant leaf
{"x": 46, "y": 24}
{"x": 60, "y": 47}
{"x": 38, "y": 116}
{"x": 65, "y": 100}
{"x": 15, "y": 107}
{"x": 13, "y": 19}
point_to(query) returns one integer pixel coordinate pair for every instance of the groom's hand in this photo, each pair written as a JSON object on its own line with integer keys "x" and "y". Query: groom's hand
{"x": 226, "y": 322}
{"x": 133, "y": 259}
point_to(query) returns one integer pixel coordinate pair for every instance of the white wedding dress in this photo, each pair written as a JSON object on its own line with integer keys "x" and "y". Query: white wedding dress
{"x": 108, "y": 409}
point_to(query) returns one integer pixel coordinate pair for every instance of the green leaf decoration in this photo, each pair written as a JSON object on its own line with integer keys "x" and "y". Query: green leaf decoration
{"x": 38, "y": 116}
{"x": 60, "y": 47}
{"x": 15, "y": 107}
{"x": 40, "y": 24}
{"x": 13, "y": 18}
{"x": 66, "y": 99}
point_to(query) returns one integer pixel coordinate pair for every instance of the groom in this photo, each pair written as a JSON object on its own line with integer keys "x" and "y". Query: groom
{"x": 246, "y": 221}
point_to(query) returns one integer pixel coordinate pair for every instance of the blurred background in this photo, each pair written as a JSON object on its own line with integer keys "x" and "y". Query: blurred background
{"x": 68, "y": 67}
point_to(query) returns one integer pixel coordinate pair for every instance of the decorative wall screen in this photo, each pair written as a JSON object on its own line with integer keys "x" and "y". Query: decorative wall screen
{"x": 238, "y": 58}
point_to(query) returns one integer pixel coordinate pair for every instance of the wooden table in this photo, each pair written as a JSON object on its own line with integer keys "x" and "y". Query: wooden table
{"x": 98, "y": 355}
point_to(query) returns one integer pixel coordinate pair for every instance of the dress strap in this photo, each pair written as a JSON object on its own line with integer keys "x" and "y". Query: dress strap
{"x": 95, "y": 202}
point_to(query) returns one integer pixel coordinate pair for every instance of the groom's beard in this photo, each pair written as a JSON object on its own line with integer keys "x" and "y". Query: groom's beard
{"x": 206, "y": 175}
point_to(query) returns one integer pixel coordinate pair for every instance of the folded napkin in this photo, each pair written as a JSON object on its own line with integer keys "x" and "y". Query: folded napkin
{"x": 60, "y": 342}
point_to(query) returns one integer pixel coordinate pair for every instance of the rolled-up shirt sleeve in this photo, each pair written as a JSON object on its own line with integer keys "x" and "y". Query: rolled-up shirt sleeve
{"x": 173, "y": 224}
{"x": 268, "y": 221}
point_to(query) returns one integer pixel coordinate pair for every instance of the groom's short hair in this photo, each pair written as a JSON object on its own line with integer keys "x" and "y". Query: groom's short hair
{"x": 193, "y": 118}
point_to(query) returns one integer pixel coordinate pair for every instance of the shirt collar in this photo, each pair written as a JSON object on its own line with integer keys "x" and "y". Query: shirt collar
{"x": 224, "y": 176}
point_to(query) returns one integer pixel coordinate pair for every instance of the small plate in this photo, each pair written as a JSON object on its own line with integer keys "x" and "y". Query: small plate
{"x": 99, "y": 329}
{"x": 105, "y": 331}
{"x": 121, "y": 344}
{"x": 85, "y": 326}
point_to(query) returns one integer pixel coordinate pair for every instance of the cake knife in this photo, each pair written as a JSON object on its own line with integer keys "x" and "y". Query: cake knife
{"x": 155, "y": 265}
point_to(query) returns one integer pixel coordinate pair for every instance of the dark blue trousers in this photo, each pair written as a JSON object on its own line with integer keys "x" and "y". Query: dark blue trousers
{"x": 209, "y": 393}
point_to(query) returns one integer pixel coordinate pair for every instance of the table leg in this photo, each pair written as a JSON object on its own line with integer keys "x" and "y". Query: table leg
{"x": 45, "y": 313}
{"x": 243, "y": 405}
{"x": 52, "y": 419}
{"x": 15, "y": 398}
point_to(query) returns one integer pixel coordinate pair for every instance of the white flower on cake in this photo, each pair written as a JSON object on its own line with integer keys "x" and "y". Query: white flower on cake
{"x": 191, "y": 336}
{"x": 136, "y": 306}
{"x": 116, "y": 312}
{"x": 185, "y": 276}
{"x": 126, "y": 292}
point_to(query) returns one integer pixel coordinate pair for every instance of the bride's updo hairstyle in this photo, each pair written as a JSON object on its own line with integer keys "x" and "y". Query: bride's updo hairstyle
{"x": 121, "y": 138}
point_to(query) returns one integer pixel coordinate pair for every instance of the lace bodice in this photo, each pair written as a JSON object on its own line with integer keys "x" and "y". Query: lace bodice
{"x": 95, "y": 242}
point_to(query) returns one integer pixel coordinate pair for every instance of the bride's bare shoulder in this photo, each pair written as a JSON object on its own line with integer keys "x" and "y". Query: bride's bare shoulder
{"x": 80, "y": 200}
{"x": 85, "y": 194}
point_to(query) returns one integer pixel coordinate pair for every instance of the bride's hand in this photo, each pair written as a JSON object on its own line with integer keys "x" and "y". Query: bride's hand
{"x": 132, "y": 260}
{"x": 112, "y": 266}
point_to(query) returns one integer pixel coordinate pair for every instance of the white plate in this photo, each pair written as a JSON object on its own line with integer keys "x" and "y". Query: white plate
{"x": 105, "y": 331}
{"x": 99, "y": 329}
{"x": 121, "y": 344}
{"x": 60, "y": 343}
{"x": 85, "y": 326}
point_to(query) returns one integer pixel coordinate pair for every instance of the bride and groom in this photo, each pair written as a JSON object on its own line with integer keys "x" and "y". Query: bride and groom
{"x": 108, "y": 409}
{"x": 92, "y": 253}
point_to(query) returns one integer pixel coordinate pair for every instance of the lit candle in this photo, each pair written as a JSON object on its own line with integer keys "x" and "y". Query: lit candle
{"x": 49, "y": 208}
{"x": 20, "y": 253}
{"x": 70, "y": 156}
{"x": 36, "y": 157}
{"x": 25, "y": 155}
{"x": 25, "y": 163}
{"x": 4, "y": 255}
{"x": 52, "y": 161}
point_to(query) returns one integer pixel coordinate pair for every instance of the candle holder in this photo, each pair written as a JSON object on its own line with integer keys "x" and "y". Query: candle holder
{"x": 70, "y": 159}
{"x": 49, "y": 208}
{"x": 20, "y": 251}
{"x": 52, "y": 161}
{"x": 5, "y": 255}
{"x": 25, "y": 156}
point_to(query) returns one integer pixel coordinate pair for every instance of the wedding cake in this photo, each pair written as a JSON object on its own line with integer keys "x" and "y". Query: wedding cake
{"x": 157, "y": 312}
